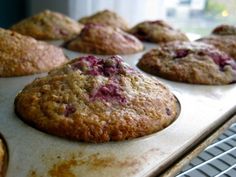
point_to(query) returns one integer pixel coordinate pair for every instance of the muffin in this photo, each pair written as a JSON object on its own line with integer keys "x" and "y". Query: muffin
{"x": 2, "y": 158}
{"x": 157, "y": 32}
{"x": 48, "y": 25}
{"x": 225, "y": 43}
{"x": 191, "y": 62}
{"x": 22, "y": 55}
{"x": 95, "y": 99}
{"x": 224, "y": 30}
{"x": 106, "y": 17}
{"x": 104, "y": 40}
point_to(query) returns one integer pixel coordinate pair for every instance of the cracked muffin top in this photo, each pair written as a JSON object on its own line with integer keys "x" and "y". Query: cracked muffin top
{"x": 48, "y": 25}
{"x": 106, "y": 17}
{"x": 224, "y": 29}
{"x": 191, "y": 62}
{"x": 104, "y": 40}
{"x": 157, "y": 31}
{"x": 23, "y": 55}
{"x": 97, "y": 99}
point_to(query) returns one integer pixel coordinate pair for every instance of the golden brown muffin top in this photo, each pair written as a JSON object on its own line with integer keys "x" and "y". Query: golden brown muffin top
{"x": 224, "y": 29}
{"x": 97, "y": 99}
{"x": 191, "y": 62}
{"x": 225, "y": 43}
{"x": 106, "y": 17}
{"x": 23, "y": 55}
{"x": 157, "y": 31}
{"x": 48, "y": 25}
{"x": 105, "y": 40}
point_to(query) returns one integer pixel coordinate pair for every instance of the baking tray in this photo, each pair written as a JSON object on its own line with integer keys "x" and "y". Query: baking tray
{"x": 33, "y": 153}
{"x": 220, "y": 141}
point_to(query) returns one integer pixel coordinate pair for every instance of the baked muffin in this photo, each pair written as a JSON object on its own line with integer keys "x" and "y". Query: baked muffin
{"x": 48, "y": 25}
{"x": 224, "y": 30}
{"x": 97, "y": 100}
{"x": 104, "y": 40}
{"x": 191, "y": 62}
{"x": 22, "y": 55}
{"x": 157, "y": 31}
{"x": 106, "y": 17}
{"x": 225, "y": 43}
{"x": 2, "y": 158}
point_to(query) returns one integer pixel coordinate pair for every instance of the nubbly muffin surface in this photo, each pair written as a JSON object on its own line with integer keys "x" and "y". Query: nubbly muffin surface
{"x": 23, "y": 55}
{"x": 157, "y": 31}
{"x": 48, "y": 25}
{"x": 106, "y": 17}
{"x": 191, "y": 62}
{"x": 225, "y": 43}
{"x": 96, "y": 99}
{"x": 104, "y": 40}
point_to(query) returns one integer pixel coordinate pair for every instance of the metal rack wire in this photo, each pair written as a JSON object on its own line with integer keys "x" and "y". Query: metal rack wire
{"x": 218, "y": 159}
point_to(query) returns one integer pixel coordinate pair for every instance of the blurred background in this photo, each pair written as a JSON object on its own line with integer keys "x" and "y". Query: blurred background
{"x": 191, "y": 16}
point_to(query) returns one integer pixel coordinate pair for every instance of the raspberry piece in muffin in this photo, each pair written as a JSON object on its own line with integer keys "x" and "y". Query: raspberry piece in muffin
{"x": 113, "y": 102}
{"x": 69, "y": 109}
{"x": 95, "y": 66}
{"x": 109, "y": 92}
{"x": 105, "y": 40}
{"x": 157, "y": 31}
{"x": 191, "y": 62}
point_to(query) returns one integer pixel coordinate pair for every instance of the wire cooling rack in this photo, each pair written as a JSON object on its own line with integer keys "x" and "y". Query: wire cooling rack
{"x": 218, "y": 159}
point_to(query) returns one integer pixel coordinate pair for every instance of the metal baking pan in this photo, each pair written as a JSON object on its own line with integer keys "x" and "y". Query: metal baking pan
{"x": 33, "y": 153}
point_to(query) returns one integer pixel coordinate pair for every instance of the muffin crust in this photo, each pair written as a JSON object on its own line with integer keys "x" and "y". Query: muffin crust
{"x": 157, "y": 31}
{"x": 22, "y": 55}
{"x": 104, "y": 40}
{"x": 106, "y": 17}
{"x": 97, "y": 100}
{"x": 225, "y": 43}
{"x": 191, "y": 62}
{"x": 48, "y": 25}
{"x": 224, "y": 29}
